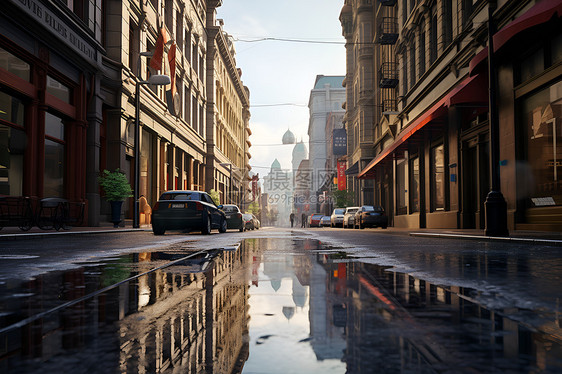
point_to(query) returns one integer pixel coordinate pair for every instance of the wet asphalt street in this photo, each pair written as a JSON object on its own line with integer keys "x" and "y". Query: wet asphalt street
{"x": 279, "y": 301}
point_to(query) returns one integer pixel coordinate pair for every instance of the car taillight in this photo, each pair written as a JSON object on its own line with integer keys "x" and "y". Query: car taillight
{"x": 239, "y": 215}
{"x": 198, "y": 205}
{"x": 155, "y": 207}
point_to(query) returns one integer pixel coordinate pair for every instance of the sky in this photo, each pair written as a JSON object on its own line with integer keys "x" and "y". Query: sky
{"x": 281, "y": 72}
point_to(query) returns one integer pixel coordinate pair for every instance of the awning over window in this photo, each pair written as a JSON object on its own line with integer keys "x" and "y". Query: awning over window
{"x": 538, "y": 14}
{"x": 470, "y": 90}
{"x": 353, "y": 170}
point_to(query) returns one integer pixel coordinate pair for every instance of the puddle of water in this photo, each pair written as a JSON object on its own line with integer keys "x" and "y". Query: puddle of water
{"x": 271, "y": 306}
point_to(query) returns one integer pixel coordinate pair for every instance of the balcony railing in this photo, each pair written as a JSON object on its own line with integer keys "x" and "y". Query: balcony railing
{"x": 389, "y": 105}
{"x": 388, "y": 30}
{"x": 388, "y": 74}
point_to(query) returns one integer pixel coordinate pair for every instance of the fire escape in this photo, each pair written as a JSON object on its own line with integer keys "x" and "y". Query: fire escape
{"x": 387, "y": 36}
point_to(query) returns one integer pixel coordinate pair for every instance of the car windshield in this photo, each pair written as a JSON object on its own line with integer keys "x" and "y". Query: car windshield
{"x": 316, "y": 216}
{"x": 339, "y": 211}
{"x": 229, "y": 209}
{"x": 181, "y": 196}
{"x": 368, "y": 208}
{"x": 352, "y": 210}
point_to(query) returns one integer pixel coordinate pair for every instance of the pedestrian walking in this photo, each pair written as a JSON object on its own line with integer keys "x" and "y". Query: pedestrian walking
{"x": 292, "y": 218}
{"x": 303, "y": 220}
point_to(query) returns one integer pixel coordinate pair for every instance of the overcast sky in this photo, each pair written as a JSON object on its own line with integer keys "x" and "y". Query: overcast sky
{"x": 279, "y": 72}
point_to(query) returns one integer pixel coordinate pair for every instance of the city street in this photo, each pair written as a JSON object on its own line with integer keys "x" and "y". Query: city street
{"x": 279, "y": 300}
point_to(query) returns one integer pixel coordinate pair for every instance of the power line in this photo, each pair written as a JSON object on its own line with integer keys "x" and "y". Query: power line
{"x": 279, "y": 104}
{"x": 267, "y": 39}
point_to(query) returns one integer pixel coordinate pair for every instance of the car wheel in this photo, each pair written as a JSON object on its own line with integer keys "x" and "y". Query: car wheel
{"x": 206, "y": 230}
{"x": 242, "y": 228}
{"x": 158, "y": 229}
{"x": 223, "y": 226}
{"x": 384, "y": 227}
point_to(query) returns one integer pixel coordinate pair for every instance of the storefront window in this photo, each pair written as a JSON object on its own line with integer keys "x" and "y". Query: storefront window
{"x": 54, "y": 156}
{"x": 145, "y": 186}
{"x": 414, "y": 185}
{"x": 12, "y": 148}
{"x": 543, "y": 115}
{"x": 14, "y": 65}
{"x": 437, "y": 178}
{"x": 58, "y": 90}
{"x": 401, "y": 192}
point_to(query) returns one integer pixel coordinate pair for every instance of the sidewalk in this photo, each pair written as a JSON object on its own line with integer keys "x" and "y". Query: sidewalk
{"x": 14, "y": 233}
{"x": 521, "y": 236}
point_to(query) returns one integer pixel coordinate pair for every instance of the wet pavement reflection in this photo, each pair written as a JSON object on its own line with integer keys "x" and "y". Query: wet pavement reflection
{"x": 283, "y": 305}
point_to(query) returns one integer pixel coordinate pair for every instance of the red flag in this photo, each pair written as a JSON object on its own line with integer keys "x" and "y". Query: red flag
{"x": 156, "y": 60}
{"x": 172, "y": 61}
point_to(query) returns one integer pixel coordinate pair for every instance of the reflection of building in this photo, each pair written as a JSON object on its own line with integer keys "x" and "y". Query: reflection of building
{"x": 171, "y": 318}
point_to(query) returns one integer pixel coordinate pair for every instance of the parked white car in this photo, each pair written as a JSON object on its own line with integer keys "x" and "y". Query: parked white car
{"x": 349, "y": 216}
{"x": 336, "y": 219}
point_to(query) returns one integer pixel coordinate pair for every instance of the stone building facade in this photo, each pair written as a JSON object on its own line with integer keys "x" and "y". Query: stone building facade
{"x": 228, "y": 116}
{"x": 68, "y": 75}
{"x": 432, "y": 164}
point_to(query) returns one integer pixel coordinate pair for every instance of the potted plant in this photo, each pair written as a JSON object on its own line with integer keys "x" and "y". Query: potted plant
{"x": 116, "y": 188}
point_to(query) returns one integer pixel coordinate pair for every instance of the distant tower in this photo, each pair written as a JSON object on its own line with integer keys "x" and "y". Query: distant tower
{"x": 299, "y": 153}
{"x": 289, "y": 137}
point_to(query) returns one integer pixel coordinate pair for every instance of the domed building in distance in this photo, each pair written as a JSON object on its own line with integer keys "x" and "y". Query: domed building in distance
{"x": 289, "y": 137}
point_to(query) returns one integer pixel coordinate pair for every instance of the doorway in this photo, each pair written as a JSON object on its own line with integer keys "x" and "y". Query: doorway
{"x": 475, "y": 185}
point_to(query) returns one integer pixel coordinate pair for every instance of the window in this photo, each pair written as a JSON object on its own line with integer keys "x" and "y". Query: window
{"x": 447, "y": 22}
{"x": 412, "y": 64}
{"x": 422, "y": 47}
{"x": 134, "y": 40}
{"x": 433, "y": 38}
{"x": 414, "y": 185}
{"x": 437, "y": 178}
{"x": 13, "y": 142}
{"x": 54, "y": 156}
{"x": 542, "y": 120}
{"x": 186, "y": 104}
{"x": 14, "y": 65}
{"x": 194, "y": 113}
{"x": 57, "y": 89}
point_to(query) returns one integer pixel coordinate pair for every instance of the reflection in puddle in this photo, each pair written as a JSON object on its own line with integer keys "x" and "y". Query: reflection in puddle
{"x": 271, "y": 306}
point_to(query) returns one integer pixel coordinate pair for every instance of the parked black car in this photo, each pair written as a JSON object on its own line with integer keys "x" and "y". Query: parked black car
{"x": 233, "y": 216}
{"x": 187, "y": 210}
{"x": 371, "y": 216}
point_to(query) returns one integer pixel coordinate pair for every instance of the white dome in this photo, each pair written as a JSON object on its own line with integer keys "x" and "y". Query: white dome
{"x": 289, "y": 138}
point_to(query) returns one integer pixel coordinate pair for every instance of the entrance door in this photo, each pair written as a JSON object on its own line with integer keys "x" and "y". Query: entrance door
{"x": 470, "y": 200}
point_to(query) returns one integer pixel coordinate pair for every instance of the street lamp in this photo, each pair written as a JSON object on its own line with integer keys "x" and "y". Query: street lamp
{"x": 225, "y": 164}
{"x": 158, "y": 80}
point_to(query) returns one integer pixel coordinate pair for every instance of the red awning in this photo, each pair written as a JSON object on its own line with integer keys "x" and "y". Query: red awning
{"x": 538, "y": 14}
{"x": 477, "y": 60}
{"x": 468, "y": 91}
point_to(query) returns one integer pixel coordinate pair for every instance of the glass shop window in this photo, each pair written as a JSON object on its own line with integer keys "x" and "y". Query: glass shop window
{"x": 401, "y": 193}
{"x": 438, "y": 178}
{"x": 414, "y": 185}
{"x": 13, "y": 142}
{"x": 14, "y": 65}
{"x": 542, "y": 116}
{"x": 54, "y": 156}
{"x": 58, "y": 90}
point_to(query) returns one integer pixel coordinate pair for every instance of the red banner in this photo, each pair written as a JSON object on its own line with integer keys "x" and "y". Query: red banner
{"x": 342, "y": 181}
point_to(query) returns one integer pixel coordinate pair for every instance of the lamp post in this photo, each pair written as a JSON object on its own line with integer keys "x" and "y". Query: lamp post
{"x": 158, "y": 80}
{"x": 495, "y": 204}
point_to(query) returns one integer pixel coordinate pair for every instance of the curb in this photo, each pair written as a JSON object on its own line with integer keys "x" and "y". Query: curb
{"x": 552, "y": 242}
{"x": 42, "y": 235}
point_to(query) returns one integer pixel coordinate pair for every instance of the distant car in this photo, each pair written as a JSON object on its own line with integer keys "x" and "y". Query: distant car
{"x": 233, "y": 216}
{"x": 248, "y": 221}
{"x": 187, "y": 210}
{"x": 349, "y": 216}
{"x": 325, "y": 221}
{"x": 314, "y": 220}
{"x": 336, "y": 219}
{"x": 371, "y": 216}
{"x": 257, "y": 223}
